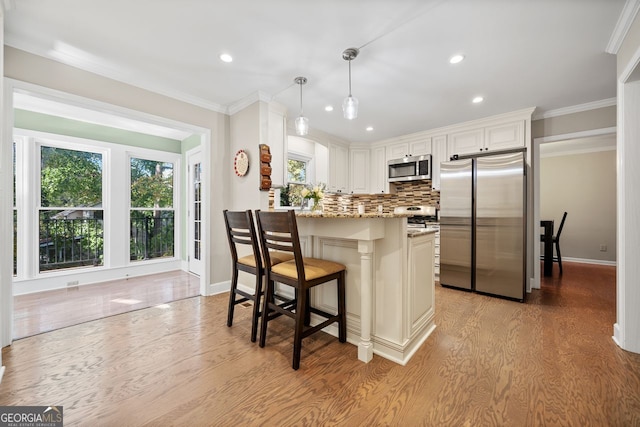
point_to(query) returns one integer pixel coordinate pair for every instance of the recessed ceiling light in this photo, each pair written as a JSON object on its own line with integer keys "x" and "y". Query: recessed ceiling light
{"x": 369, "y": 128}
{"x": 456, "y": 58}
{"x": 225, "y": 57}
{"x": 328, "y": 108}
{"x": 477, "y": 100}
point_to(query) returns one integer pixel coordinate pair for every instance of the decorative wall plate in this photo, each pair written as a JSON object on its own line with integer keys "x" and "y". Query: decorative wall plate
{"x": 241, "y": 163}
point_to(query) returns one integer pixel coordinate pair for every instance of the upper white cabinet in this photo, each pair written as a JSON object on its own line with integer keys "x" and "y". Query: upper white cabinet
{"x": 420, "y": 148}
{"x": 396, "y": 151}
{"x": 439, "y": 155}
{"x": 501, "y": 137}
{"x": 338, "y": 166}
{"x": 379, "y": 183}
{"x": 490, "y": 138}
{"x": 359, "y": 170}
{"x": 412, "y": 148}
{"x": 466, "y": 142}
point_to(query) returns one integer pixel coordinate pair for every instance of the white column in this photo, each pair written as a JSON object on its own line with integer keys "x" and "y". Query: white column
{"x": 365, "y": 346}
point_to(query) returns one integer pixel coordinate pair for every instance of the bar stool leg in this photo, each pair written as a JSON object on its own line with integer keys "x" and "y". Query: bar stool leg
{"x": 342, "y": 309}
{"x": 301, "y": 309}
{"x": 232, "y": 297}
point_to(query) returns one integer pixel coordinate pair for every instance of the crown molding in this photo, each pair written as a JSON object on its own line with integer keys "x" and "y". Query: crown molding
{"x": 122, "y": 76}
{"x": 246, "y": 101}
{"x": 576, "y": 108}
{"x": 628, "y": 14}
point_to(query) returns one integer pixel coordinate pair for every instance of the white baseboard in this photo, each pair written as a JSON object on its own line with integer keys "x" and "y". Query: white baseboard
{"x": 589, "y": 261}
{"x": 218, "y": 288}
{"x": 617, "y": 335}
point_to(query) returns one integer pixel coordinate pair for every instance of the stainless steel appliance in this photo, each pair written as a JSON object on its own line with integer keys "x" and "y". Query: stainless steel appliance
{"x": 410, "y": 168}
{"x": 483, "y": 224}
{"x": 422, "y": 216}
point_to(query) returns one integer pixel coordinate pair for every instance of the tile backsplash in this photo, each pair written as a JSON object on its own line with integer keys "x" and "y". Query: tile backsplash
{"x": 407, "y": 194}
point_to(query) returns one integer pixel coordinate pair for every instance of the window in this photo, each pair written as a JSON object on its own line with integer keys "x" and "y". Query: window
{"x": 152, "y": 214}
{"x": 70, "y": 218}
{"x": 296, "y": 181}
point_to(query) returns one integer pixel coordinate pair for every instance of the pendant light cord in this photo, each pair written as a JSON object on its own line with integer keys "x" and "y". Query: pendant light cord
{"x": 349, "y": 77}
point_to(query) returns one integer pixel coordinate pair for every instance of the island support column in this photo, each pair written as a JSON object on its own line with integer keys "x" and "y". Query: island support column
{"x": 365, "y": 346}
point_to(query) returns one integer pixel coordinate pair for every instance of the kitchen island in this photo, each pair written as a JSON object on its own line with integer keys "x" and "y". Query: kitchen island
{"x": 390, "y": 279}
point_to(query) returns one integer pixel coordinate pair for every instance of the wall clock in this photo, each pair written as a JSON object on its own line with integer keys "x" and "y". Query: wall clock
{"x": 241, "y": 163}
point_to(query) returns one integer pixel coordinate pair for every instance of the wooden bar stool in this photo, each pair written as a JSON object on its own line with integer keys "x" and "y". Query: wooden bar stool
{"x": 241, "y": 231}
{"x": 278, "y": 231}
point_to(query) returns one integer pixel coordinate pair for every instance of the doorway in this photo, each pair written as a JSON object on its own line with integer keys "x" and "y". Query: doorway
{"x": 575, "y": 190}
{"x": 194, "y": 211}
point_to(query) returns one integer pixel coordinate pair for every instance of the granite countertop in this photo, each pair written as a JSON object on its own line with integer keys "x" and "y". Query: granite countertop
{"x": 320, "y": 214}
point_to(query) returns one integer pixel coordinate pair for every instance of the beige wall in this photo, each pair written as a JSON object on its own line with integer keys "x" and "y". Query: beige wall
{"x": 599, "y": 118}
{"x": 584, "y": 185}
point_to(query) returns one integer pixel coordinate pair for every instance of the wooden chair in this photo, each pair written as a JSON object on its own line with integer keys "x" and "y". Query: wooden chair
{"x": 279, "y": 231}
{"x": 556, "y": 242}
{"x": 241, "y": 231}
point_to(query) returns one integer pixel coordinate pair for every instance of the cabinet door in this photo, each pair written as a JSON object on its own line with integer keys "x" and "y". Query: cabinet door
{"x": 397, "y": 151}
{"x": 421, "y": 282}
{"x": 439, "y": 155}
{"x": 420, "y": 148}
{"x": 466, "y": 142}
{"x": 502, "y": 137}
{"x": 359, "y": 170}
{"x": 338, "y": 163}
{"x": 379, "y": 182}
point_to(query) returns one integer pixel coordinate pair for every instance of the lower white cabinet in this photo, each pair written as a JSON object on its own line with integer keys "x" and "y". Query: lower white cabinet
{"x": 421, "y": 292}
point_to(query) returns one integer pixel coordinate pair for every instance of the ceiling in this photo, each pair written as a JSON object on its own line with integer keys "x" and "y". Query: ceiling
{"x": 548, "y": 54}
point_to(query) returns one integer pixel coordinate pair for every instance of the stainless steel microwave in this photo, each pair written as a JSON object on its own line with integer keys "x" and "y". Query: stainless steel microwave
{"x": 410, "y": 168}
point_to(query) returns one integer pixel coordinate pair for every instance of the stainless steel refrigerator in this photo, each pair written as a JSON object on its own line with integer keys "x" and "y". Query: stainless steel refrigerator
{"x": 483, "y": 224}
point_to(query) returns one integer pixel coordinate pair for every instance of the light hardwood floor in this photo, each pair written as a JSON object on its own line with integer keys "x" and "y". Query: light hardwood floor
{"x": 46, "y": 311}
{"x": 490, "y": 362}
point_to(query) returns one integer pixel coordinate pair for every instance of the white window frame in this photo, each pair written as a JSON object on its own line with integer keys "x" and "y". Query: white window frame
{"x": 115, "y": 206}
{"x": 165, "y": 157}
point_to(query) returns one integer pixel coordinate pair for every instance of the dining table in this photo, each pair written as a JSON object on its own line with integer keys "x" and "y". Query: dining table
{"x": 547, "y": 239}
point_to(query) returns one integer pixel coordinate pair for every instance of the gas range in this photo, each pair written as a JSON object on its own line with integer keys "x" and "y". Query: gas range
{"x": 422, "y": 216}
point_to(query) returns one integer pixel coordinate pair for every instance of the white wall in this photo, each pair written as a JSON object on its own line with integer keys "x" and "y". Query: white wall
{"x": 583, "y": 185}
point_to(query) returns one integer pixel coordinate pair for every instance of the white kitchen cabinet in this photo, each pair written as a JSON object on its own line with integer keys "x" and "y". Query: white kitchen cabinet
{"x": 379, "y": 182}
{"x": 397, "y": 151}
{"x": 503, "y": 137}
{"x": 439, "y": 155}
{"x": 466, "y": 142}
{"x": 421, "y": 289}
{"x": 420, "y": 148}
{"x": 359, "y": 170}
{"x": 490, "y": 138}
{"x": 338, "y": 169}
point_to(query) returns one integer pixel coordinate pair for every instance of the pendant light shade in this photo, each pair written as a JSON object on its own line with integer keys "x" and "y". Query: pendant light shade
{"x": 301, "y": 122}
{"x": 350, "y": 103}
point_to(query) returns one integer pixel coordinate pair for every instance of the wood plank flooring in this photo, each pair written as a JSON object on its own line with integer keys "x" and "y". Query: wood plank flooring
{"x": 46, "y": 311}
{"x": 490, "y": 362}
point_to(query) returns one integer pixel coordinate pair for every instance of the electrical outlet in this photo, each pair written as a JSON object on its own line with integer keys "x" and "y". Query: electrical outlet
{"x": 72, "y": 283}
{"x": 603, "y": 248}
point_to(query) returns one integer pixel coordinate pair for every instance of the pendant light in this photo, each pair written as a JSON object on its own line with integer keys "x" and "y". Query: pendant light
{"x": 350, "y": 104}
{"x": 301, "y": 123}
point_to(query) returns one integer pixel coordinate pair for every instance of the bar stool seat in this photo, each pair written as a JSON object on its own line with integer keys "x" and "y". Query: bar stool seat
{"x": 278, "y": 231}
